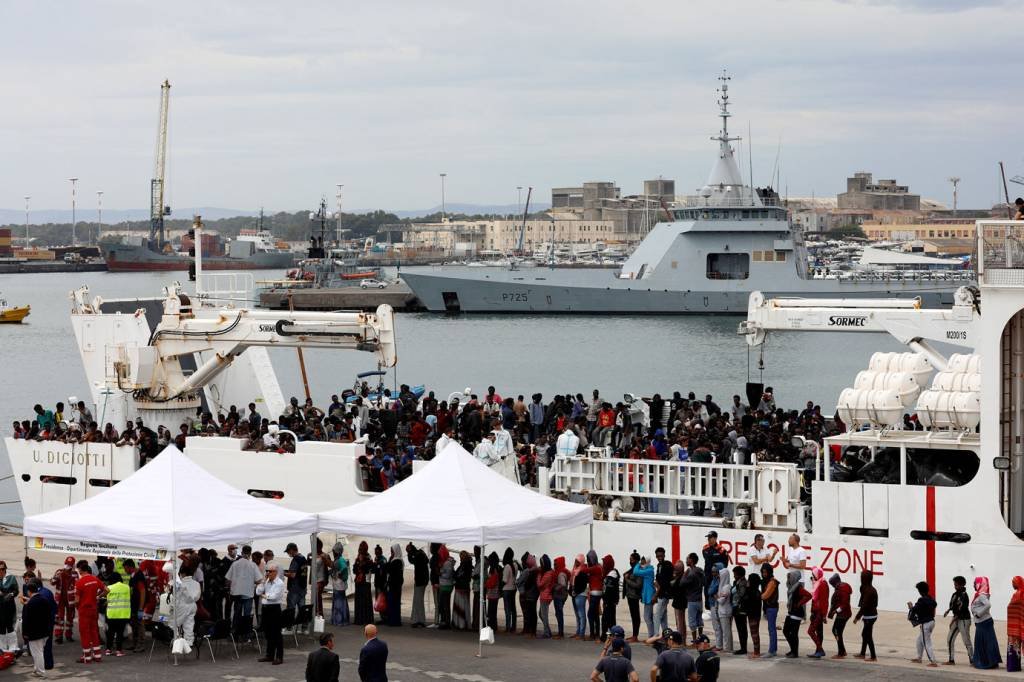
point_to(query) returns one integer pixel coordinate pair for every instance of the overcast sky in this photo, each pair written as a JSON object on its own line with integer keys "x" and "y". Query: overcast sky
{"x": 273, "y": 103}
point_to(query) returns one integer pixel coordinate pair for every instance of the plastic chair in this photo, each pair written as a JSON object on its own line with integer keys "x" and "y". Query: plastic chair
{"x": 216, "y": 632}
{"x": 161, "y": 633}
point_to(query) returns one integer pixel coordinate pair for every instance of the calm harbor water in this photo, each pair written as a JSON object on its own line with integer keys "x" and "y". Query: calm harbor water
{"x": 516, "y": 354}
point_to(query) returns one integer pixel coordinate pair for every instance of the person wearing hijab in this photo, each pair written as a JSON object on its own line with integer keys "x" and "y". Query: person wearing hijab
{"x": 460, "y": 603}
{"x": 362, "y": 569}
{"x": 394, "y": 574}
{"x": 648, "y": 592}
{"x": 560, "y": 593}
{"x": 339, "y": 580}
{"x": 1015, "y": 614}
{"x": 839, "y": 611}
{"x": 509, "y": 573}
{"x": 609, "y": 593}
{"x": 545, "y": 587}
{"x": 421, "y": 578}
{"x": 580, "y": 588}
{"x": 867, "y": 609}
{"x": 721, "y": 607}
{"x": 446, "y": 582}
{"x": 492, "y": 589}
{"x": 819, "y": 611}
{"x": 739, "y": 607}
{"x": 752, "y": 606}
{"x": 986, "y": 646}
{"x": 529, "y": 594}
{"x": 677, "y": 592}
{"x": 796, "y": 610}
{"x": 922, "y": 615}
{"x": 770, "y": 604}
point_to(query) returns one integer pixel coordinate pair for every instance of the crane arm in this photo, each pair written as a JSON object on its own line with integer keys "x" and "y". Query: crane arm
{"x": 229, "y": 333}
{"x": 903, "y": 319}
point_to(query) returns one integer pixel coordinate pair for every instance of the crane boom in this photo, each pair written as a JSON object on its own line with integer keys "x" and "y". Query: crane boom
{"x": 157, "y": 208}
{"x": 903, "y": 319}
{"x": 522, "y": 229}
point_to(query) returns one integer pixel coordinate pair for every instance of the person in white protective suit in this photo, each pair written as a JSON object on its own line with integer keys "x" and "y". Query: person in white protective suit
{"x": 186, "y": 594}
{"x": 485, "y": 450}
{"x": 568, "y": 443}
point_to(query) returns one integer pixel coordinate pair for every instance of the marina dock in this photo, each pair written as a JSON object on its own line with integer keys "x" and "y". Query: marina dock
{"x": 397, "y": 295}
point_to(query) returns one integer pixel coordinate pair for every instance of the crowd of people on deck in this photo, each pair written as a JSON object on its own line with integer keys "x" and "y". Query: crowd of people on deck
{"x": 402, "y": 428}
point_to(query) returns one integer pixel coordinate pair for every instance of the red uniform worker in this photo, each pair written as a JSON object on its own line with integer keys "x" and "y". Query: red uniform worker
{"x": 88, "y": 590}
{"x": 64, "y": 592}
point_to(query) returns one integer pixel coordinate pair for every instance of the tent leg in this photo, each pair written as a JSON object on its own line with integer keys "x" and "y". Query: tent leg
{"x": 483, "y": 601}
{"x": 591, "y": 527}
{"x": 313, "y": 556}
{"x": 174, "y": 620}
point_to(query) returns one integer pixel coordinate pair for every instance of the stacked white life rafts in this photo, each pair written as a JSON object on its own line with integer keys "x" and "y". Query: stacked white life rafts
{"x": 954, "y": 399}
{"x": 883, "y": 393}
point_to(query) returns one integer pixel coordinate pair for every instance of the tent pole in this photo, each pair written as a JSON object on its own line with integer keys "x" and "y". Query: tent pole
{"x": 483, "y": 602}
{"x": 313, "y": 556}
{"x": 591, "y": 527}
{"x": 174, "y": 621}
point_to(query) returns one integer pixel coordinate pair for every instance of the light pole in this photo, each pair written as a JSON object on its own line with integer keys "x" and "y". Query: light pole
{"x": 443, "y": 214}
{"x": 74, "y": 183}
{"x": 99, "y": 214}
{"x": 27, "y": 197}
{"x": 956, "y": 181}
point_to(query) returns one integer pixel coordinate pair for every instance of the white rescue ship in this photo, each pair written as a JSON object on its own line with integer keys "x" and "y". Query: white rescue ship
{"x": 910, "y": 505}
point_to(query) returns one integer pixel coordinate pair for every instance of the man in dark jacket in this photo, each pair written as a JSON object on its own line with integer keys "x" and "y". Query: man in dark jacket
{"x": 663, "y": 588}
{"x": 713, "y": 554}
{"x": 37, "y": 624}
{"x": 840, "y": 611}
{"x": 373, "y": 657}
{"x": 960, "y": 624}
{"x": 323, "y": 665}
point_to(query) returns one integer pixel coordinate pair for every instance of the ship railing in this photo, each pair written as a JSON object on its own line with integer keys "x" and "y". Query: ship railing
{"x": 1000, "y": 252}
{"x": 771, "y": 490}
{"x": 226, "y": 289}
{"x": 743, "y": 200}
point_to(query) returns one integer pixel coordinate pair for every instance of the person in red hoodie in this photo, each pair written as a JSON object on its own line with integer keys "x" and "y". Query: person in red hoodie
{"x": 840, "y": 611}
{"x": 546, "y": 584}
{"x": 819, "y": 611}
{"x": 595, "y": 585}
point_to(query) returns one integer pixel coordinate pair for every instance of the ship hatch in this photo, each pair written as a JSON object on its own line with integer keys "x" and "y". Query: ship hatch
{"x": 1011, "y": 420}
{"x": 451, "y": 301}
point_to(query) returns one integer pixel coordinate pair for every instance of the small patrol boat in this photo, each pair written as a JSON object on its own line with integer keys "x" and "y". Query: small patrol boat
{"x": 13, "y": 314}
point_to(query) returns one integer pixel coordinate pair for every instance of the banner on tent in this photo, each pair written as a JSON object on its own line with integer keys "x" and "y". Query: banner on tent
{"x": 100, "y": 548}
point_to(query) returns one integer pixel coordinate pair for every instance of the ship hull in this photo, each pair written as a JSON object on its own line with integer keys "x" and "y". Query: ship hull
{"x": 323, "y": 476}
{"x": 140, "y": 259}
{"x": 542, "y": 290}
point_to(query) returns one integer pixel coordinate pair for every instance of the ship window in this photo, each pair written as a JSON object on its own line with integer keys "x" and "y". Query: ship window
{"x": 728, "y": 266}
{"x": 266, "y": 494}
{"x": 780, "y": 256}
{"x": 102, "y": 482}
{"x": 758, "y": 256}
{"x": 941, "y": 468}
{"x": 60, "y": 480}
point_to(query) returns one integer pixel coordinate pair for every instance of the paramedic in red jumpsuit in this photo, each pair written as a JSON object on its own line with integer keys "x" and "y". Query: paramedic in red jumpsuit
{"x": 64, "y": 592}
{"x": 88, "y": 590}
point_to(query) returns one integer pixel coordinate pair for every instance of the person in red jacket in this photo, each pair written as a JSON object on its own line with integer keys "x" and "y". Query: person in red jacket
{"x": 63, "y": 582}
{"x": 819, "y": 611}
{"x": 595, "y": 584}
{"x": 840, "y": 611}
{"x": 88, "y": 591}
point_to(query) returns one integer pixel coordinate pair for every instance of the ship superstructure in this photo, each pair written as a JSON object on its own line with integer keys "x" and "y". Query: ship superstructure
{"x": 724, "y": 242}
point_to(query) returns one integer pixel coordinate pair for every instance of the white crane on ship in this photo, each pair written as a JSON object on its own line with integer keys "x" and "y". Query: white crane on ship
{"x": 157, "y": 208}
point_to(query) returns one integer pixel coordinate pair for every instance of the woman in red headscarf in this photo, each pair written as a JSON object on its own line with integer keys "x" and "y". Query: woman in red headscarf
{"x": 1015, "y": 614}
{"x": 986, "y": 646}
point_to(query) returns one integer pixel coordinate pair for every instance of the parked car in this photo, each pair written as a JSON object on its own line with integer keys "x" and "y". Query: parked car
{"x": 367, "y": 283}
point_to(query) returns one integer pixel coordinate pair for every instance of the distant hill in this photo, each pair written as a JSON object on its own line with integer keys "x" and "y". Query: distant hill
{"x": 9, "y": 216}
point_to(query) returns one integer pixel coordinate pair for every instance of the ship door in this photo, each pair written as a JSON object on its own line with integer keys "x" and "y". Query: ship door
{"x": 451, "y": 301}
{"x": 1011, "y": 420}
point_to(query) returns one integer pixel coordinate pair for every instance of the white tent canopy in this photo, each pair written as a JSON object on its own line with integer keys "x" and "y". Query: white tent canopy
{"x": 171, "y": 503}
{"x": 456, "y": 498}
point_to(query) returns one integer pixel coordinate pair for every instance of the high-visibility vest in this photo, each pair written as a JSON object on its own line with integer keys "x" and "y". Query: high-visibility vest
{"x": 119, "y": 602}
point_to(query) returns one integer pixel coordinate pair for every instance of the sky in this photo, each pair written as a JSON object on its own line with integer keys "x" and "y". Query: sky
{"x": 274, "y": 103}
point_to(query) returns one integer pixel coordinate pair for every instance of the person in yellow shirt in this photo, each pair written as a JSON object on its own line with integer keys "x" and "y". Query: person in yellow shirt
{"x": 119, "y": 610}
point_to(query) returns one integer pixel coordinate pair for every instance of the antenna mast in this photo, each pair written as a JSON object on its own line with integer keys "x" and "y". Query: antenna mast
{"x": 337, "y": 215}
{"x": 157, "y": 209}
{"x": 956, "y": 181}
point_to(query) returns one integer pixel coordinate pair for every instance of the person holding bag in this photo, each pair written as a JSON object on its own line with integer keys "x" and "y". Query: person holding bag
{"x": 922, "y": 615}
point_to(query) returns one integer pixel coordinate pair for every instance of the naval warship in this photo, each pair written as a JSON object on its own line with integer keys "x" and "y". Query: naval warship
{"x": 729, "y": 240}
